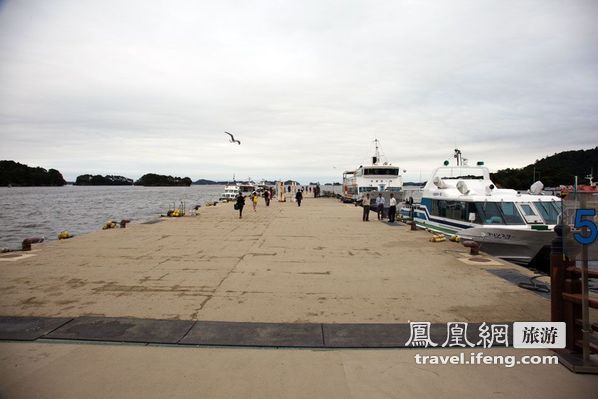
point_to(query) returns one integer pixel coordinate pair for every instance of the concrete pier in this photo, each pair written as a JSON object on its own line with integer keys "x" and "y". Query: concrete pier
{"x": 318, "y": 263}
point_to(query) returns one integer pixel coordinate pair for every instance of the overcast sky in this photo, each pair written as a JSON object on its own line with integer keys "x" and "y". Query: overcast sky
{"x": 131, "y": 87}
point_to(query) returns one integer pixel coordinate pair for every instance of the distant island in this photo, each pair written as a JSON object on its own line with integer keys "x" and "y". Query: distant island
{"x": 152, "y": 179}
{"x": 98, "y": 180}
{"x": 205, "y": 182}
{"x": 16, "y": 174}
{"x": 552, "y": 171}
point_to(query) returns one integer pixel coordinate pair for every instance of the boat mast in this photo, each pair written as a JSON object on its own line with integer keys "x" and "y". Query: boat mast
{"x": 458, "y": 156}
{"x": 376, "y": 156}
{"x": 590, "y": 177}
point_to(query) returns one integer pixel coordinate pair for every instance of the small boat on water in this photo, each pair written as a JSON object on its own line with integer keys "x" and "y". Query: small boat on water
{"x": 376, "y": 177}
{"x": 462, "y": 200}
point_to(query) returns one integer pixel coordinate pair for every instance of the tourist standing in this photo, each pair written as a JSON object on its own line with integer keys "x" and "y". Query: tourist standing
{"x": 380, "y": 201}
{"x": 366, "y": 208}
{"x": 240, "y": 204}
{"x": 299, "y": 197}
{"x": 392, "y": 210}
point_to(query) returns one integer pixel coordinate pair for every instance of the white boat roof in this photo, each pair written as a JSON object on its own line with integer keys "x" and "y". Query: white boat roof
{"x": 476, "y": 184}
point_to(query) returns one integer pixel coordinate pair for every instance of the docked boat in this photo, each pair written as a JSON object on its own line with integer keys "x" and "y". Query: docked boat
{"x": 377, "y": 177}
{"x": 581, "y": 188}
{"x": 462, "y": 200}
{"x": 232, "y": 190}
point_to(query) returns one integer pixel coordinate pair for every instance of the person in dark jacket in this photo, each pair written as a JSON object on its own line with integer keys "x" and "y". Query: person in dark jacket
{"x": 299, "y": 197}
{"x": 267, "y": 197}
{"x": 366, "y": 208}
{"x": 240, "y": 204}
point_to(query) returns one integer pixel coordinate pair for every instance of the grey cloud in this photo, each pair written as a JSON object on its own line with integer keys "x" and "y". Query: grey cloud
{"x": 150, "y": 86}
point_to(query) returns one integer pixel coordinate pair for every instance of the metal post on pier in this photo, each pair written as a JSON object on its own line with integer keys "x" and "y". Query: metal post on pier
{"x": 557, "y": 275}
{"x": 570, "y": 296}
{"x": 585, "y": 300}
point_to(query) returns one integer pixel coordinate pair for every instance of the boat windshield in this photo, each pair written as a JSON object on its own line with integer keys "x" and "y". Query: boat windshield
{"x": 510, "y": 213}
{"x": 498, "y": 213}
{"x": 381, "y": 171}
{"x": 483, "y": 212}
{"x": 549, "y": 211}
{"x": 393, "y": 189}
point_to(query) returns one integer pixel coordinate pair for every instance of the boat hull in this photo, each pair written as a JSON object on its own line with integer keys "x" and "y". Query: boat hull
{"x": 511, "y": 243}
{"x": 514, "y": 245}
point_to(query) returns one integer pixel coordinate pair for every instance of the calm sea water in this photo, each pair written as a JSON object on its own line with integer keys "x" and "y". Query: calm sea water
{"x": 46, "y": 211}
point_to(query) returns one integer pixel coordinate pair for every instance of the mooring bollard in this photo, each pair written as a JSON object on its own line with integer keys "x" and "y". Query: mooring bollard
{"x": 26, "y": 245}
{"x": 474, "y": 247}
{"x": 413, "y": 225}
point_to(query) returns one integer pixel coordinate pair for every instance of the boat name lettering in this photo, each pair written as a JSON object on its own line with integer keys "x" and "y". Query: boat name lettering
{"x": 500, "y": 236}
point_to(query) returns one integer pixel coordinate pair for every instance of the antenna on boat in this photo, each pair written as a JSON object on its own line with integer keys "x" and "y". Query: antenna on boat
{"x": 590, "y": 177}
{"x": 458, "y": 156}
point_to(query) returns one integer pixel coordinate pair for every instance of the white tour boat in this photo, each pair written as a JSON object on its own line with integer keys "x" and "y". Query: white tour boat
{"x": 377, "y": 177}
{"x": 232, "y": 190}
{"x": 462, "y": 200}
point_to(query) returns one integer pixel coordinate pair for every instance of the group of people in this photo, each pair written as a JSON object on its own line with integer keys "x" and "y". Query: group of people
{"x": 268, "y": 194}
{"x": 315, "y": 190}
{"x": 379, "y": 207}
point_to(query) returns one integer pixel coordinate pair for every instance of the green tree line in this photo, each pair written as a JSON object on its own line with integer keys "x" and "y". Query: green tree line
{"x": 16, "y": 174}
{"x": 552, "y": 171}
{"x": 152, "y": 179}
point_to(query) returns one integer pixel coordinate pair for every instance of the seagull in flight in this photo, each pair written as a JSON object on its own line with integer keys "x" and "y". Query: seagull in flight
{"x": 232, "y": 138}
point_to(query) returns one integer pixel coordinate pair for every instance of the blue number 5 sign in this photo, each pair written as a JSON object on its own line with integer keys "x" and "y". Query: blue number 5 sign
{"x": 589, "y": 224}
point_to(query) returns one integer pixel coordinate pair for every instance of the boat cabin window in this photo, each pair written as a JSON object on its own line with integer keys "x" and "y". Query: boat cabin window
{"x": 549, "y": 211}
{"x": 527, "y": 210}
{"x": 490, "y": 213}
{"x": 485, "y": 212}
{"x": 381, "y": 171}
{"x": 450, "y": 209}
{"x": 510, "y": 213}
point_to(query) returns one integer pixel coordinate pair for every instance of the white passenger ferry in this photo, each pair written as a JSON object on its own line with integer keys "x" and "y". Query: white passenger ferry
{"x": 377, "y": 177}
{"x": 462, "y": 200}
{"x": 232, "y": 190}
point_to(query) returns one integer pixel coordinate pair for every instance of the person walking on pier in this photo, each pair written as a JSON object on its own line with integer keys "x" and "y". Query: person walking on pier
{"x": 254, "y": 200}
{"x": 299, "y": 197}
{"x": 267, "y": 197}
{"x": 240, "y": 204}
{"x": 392, "y": 210}
{"x": 366, "y": 208}
{"x": 380, "y": 201}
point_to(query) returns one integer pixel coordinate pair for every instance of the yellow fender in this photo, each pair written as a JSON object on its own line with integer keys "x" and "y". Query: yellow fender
{"x": 64, "y": 235}
{"x": 109, "y": 225}
{"x": 438, "y": 238}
